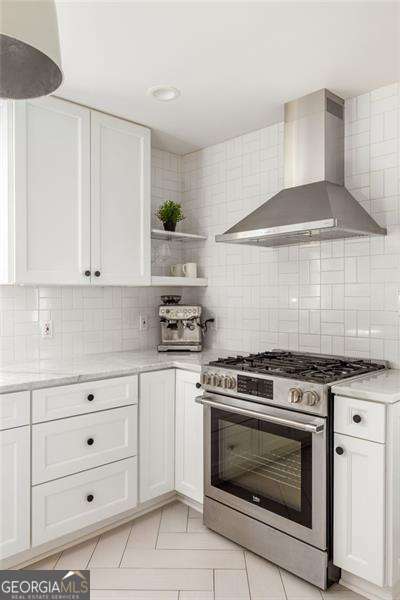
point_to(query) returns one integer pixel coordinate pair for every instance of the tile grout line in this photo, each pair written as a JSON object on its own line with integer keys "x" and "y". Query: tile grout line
{"x": 247, "y": 573}
{"x": 283, "y": 585}
{"x": 93, "y": 551}
{"x": 126, "y": 544}
{"x": 159, "y": 527}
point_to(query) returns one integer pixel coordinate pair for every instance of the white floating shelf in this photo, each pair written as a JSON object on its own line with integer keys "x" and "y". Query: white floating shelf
{"x": 176, "y": 236}
{"x": 158, "y": 280}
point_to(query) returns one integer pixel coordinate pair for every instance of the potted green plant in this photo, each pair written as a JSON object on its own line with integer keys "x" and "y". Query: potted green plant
{"x": 170, "y": 213}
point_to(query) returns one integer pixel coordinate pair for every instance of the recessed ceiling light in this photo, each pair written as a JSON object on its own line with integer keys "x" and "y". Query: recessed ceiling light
{"x": 164, "y": 93}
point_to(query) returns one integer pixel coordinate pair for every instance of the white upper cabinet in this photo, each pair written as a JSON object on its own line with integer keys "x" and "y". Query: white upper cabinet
{"x": 81, "y": 193}
{"x": 52, "y": 192}
{"x": 120, "y": 158}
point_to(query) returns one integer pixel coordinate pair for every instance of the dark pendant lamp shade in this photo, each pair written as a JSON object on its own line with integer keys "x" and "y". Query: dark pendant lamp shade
{"x": 30, "y": 61}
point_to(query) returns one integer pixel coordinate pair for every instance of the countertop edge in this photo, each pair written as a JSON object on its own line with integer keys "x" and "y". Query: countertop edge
{"x": 57, "y": 380}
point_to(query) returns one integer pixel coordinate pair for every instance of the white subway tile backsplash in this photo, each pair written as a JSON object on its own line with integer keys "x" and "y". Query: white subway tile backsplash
{"x": 323, "y": 297}
{"x": 339, "y": 297}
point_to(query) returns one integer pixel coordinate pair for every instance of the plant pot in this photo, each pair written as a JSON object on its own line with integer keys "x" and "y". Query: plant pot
{"x": 169, "y": 226}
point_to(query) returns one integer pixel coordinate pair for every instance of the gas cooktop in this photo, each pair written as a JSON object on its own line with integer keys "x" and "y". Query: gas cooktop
{"x": 317, "y": 368}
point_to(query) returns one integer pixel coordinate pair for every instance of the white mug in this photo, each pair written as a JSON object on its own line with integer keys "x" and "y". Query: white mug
{"x": 176, "y": 270}
{"x": 190, "y": 269}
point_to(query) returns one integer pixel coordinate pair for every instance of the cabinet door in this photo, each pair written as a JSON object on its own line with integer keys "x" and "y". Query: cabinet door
{"x": 188, "y": 437}
{"x": 52, "y": 192}
{"x": 359, "y": 508}
{"x": 14, "y": 491}
{"x": 120, "y": 201}
{"x": 157, "y": 421}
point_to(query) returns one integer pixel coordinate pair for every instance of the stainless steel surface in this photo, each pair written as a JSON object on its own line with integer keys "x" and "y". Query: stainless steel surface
{"x": 317, "y": 535}
{"x": 180, "y": 327}
{"x": 223, "y": 381}
{"x": 289, "y": 553}
{"x": 314, "y": 205}
{"x": 181, "y": 347}
{"x": 269, "y": 414}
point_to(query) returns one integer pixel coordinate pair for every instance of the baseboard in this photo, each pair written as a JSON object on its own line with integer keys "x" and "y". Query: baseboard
{"x": 45, "y": 550}
{"x": 367, "y": 589}
{"x": 190, "y": 502}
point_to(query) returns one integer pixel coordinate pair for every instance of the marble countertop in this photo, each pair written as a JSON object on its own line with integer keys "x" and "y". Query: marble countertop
{"x": 46, "y": 373}
{"x": 383, "y": 386}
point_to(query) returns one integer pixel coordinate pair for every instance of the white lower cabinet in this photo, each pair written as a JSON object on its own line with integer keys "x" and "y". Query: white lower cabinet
{"x": 70, "y": 445}
{"x": 359, "y": 507}
{"x": 14, "y": 491}
{"x": 188, "y": 437}
{"x": 157, "y": 418}
{"x": 72, "y": 503}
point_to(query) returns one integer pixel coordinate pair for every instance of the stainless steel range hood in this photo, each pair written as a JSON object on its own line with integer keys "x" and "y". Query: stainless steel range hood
{"x": 314, "y": 205}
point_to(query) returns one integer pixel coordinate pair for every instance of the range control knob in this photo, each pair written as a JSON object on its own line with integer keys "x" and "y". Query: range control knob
{"x": 217, "y": 380}
{"x": 311, "y": 397}
{"x": 229, "y": 383}
{"x": 295, "y": 395}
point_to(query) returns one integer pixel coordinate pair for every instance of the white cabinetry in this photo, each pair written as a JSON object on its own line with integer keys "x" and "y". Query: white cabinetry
{"x": 14, "y": 491}
{"x": 81, "y": 194}
{"x": 120, "y": 153}
{"x": 188, "y": 437}
{"x": 52, "y": 192}
{"x": 72, "y": 503}
{"x": 359, "y": 507}
{"x": 157, "y": 419}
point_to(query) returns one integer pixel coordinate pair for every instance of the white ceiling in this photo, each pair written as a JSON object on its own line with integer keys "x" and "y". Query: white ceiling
{"x": 235, "y": 63}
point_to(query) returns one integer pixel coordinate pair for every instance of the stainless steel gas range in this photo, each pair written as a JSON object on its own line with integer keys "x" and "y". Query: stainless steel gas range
{"x": 268, "y": 438}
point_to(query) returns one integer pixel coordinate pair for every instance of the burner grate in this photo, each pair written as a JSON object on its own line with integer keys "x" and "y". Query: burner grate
{"x": 306, "y": 367}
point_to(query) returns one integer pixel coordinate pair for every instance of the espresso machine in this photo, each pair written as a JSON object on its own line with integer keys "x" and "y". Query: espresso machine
{"x": 181, "y": 327}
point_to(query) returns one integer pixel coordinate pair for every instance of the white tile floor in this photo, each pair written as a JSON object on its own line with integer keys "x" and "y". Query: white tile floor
{"x": 170, "y": 555}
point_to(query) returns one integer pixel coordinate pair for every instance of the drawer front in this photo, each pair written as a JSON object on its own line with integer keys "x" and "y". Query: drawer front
{"x": 360, "y": 419}
{"x": 71, "y": 503}
{"x": 14, "y": 410}
{"x": 80, "y": 398}
{"x": 67, "y": 446}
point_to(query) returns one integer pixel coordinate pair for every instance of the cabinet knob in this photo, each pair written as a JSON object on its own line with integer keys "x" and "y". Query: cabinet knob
{"x": 90, "y": 397}
{"x": 87, "y": 273}
{"x": 198, "y": 385}
{"x": 357, "y": 418}
{"x": 97, "y": 273}
{"x": 339, "y": 450}
{"x": 90, "y": 441}
{"x": 90, "y": 497}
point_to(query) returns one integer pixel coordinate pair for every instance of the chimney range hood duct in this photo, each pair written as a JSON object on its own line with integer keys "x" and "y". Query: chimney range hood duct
{"x": 314, "y": 205}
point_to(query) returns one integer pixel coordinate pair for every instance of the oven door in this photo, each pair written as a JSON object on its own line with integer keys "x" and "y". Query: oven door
{"x": 268, "y": 463}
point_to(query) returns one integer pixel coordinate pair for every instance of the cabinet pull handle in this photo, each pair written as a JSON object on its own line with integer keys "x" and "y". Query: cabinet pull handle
{"x": 90, "y": 441}
{"x": 357, "y": 418}
{"x": 87, "y": 273}
{"x": 97, "y": 273}
{"x": 198, "y": 385}
{"x": 339, "y": 451}
{"x": 90, "y": 498}
{"x": 90, "y": 397}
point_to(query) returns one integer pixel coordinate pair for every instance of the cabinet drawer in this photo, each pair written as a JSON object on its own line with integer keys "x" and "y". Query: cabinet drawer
{"x": 14, "y": 410}
{"x": 80, "y": 398}
{"x": 71, "y": 503}
{"x": 67, "y": 446}
{"x": 360, "y": 418}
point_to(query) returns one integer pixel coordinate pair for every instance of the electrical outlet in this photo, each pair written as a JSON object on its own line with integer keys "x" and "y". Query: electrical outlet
{"x": 46, "y": 329}
{"x": 143, "y": 322}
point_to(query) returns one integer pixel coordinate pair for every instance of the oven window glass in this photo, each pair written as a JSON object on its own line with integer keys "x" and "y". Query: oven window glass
{"x": 266, "y": 464}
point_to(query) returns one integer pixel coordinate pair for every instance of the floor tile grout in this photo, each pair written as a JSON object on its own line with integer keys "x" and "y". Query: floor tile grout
{"x": 126, "y": 544}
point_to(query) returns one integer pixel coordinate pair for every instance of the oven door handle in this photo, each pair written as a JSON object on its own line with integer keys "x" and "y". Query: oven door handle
{"x": 262, "y": 416}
